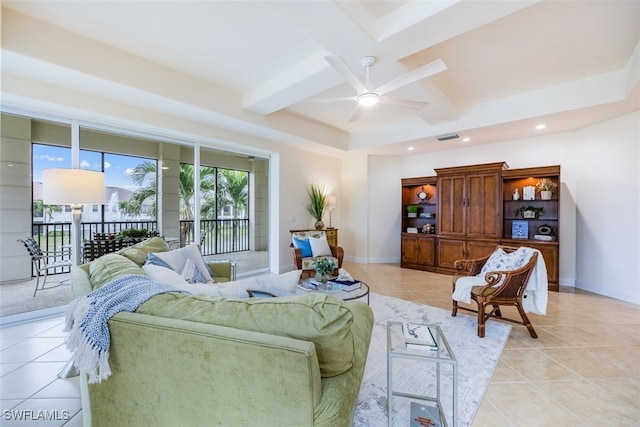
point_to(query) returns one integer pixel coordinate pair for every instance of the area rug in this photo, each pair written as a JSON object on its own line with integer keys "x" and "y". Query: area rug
{"x": 477, "y": 359}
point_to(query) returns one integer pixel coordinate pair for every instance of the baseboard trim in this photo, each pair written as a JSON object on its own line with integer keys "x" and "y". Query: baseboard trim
{"x": 31, "y": 316}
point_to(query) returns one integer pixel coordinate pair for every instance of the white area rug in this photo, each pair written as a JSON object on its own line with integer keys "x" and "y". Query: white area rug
{"x": 477, "y": 359}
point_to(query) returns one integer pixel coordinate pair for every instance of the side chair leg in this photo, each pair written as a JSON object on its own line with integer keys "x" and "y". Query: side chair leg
{"x": 481, "y": 319}
{"x": 526, "y": 321}
{"x": 454, "y": 309}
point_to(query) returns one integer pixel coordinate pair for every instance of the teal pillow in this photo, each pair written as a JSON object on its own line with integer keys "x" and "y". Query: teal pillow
{"x": 304, "y": 246}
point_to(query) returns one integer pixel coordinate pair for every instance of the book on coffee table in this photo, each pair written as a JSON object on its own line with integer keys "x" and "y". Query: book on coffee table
{"x": 418, "y": 337}
{"x": 346, "y": 285}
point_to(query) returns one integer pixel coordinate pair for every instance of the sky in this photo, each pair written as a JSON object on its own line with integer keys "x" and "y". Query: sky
{"x": 117, "y": 168}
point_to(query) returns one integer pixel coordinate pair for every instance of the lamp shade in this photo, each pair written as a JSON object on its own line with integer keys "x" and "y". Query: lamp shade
{"x": 331, "y": 202}
{"x": 72, "y": 187}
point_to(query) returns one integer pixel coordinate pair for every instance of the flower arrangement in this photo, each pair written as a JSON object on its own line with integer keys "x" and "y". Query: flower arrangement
{"x": 324, "y": 267}
{"x": 545, "y": 184}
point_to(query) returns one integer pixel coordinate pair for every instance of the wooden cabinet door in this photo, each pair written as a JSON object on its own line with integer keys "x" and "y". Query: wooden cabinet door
{"x": 409, "y": 249}
{"x": 451, "y": 209}
{"x": 483, "y": 205}
{"x": 480, "y": 248}
{"x": 426, "y": 251}
{"x": 449, "y": 251}
{"x": 551, "y": 254}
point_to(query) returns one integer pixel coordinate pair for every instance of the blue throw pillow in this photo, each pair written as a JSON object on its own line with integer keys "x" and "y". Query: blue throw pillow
{"x": 155, "y": 260}
{"x": 304, "y": 246}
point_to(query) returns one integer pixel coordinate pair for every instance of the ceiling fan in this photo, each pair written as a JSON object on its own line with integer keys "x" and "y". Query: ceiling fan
{"x": 367, "y": 96}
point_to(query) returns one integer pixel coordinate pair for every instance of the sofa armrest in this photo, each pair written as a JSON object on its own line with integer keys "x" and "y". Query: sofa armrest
{"x": 80, "y": 284}
{"x": 225, "y": 271}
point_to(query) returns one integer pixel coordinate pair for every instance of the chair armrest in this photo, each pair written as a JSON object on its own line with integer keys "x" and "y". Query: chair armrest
{"x": 297, "y": 257}
{"x": 223, "y": 269}
{"x": 470, "y": 267}
{"x": 338, "y": 253}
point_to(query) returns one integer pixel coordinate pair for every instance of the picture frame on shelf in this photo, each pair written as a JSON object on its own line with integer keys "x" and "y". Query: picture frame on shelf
{"x": 520, "y": 230}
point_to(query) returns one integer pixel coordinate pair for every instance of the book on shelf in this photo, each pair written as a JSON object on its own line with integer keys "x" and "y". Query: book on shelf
{"x": 520, "y": 230}
{"x": 418, "y": 337}
{"x": 423, "y": 415}
{"x": 346, "y": 285}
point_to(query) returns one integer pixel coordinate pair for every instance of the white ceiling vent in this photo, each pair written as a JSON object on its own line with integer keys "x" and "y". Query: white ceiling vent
{"x": 447, "y": 136}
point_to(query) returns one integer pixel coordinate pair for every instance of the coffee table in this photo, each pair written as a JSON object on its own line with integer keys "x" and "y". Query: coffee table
{"x": 361, "y": 292}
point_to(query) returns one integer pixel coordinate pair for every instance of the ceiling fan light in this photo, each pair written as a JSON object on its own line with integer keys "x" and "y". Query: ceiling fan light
{"x": 368, "y": 99}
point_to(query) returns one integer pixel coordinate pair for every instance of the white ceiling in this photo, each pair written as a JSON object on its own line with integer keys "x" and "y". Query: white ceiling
{"x": 511, "y": 64}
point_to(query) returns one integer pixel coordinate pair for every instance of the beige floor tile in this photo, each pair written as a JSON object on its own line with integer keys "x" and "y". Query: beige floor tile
{"x": 585, "y": 363}
{"x": 506, "y": 374}
{"x": 533, "y": 365}
{"x": 489, "y": 416}
{"x": 526, "y": 405}
{"x": 625, "y": 389}
{"x": 590, "y": 403}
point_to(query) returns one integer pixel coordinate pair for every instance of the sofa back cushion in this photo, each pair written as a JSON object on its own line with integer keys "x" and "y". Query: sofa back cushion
{"x": 110, "y": 267}
{"x": 319, "y": 318}
{"x": 138, "y": 252}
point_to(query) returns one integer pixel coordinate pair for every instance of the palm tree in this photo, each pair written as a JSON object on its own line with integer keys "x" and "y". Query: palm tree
{"x": 39, "y": 208}
{"x": 233, "y": 190}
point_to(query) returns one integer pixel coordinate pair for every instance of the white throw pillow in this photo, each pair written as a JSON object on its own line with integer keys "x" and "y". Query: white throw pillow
{"x": 177, "y": 259}
{"x": 270, "y": 282}
{"x": 320, "y": 246}
{"x": 170, "y": 277}
{"x": 192, "y": 273}
{"x": 165, "y": 275}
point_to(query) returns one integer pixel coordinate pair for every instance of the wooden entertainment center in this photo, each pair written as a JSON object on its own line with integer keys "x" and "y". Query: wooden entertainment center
{"x": 466, "y": 211}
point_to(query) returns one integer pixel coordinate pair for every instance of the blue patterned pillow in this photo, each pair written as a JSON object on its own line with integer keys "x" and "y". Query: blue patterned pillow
{"x": 153, "y": 259}
{"x": 192, "y": 274}
{"x": 502, "y": 261}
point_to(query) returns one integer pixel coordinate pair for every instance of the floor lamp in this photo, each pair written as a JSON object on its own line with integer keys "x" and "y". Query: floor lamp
{"x": 75, "y": 187}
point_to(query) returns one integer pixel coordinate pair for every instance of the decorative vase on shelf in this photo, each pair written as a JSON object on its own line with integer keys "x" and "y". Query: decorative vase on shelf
{"x": 546, "y": 195}
{"x": 319, "y": 225}
{"x": 516, "y": 194}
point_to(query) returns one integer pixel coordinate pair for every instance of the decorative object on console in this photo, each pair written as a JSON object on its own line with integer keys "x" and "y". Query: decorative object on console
{"x": 520, "y": 230}
{"x": 324, "y": 267}
{"x": 530, "y": 212}
{"x": 529, "y": 193}
{"x": 546, "y": 188}
{"x": 516, "y": 194}
{"x": 75, "y": 187}
{"x": 423, "y": 195}
{"x": 317, "y": 204}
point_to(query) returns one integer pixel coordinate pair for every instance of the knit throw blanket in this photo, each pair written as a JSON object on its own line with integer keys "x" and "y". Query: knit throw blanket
{"x": 87, "y": 316}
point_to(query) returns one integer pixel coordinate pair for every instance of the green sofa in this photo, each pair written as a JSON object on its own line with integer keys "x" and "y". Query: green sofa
{"x": 200, "y": 360}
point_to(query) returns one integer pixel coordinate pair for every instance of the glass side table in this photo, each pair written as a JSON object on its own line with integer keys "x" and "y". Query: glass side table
{"x": 416, "y": 381}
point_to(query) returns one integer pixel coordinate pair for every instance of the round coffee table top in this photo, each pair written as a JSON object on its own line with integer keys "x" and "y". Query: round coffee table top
{"x": 362, "y": 291}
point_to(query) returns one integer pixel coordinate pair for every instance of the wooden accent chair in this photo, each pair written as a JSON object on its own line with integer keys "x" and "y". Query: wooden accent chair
{"x": 500, "y": 288}
{"x": 307, "y": 263}
{"x": 43, "y": 261}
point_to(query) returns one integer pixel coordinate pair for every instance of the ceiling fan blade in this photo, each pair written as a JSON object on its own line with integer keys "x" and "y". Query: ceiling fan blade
{"x": 336, "y": 99}
{"x": 338, "y": 63}
{"x": 430, "y": 69}
{"x": 405, "y": 103}
{"x": 356, "y": 114}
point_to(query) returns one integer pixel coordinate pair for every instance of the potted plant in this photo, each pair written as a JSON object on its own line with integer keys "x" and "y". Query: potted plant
{"x": 529, "y": 212}
{"x": 324, "y": 267}
{"x": 132, "y": 233}
{"x": 412, "y": 211}
{"x": 317, "y": 204}
{"x": 546, "y": 187}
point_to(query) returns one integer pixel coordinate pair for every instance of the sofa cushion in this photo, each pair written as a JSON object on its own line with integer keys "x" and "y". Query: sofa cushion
{"x": 138, "y": 252}
{"x": 287, "y": 283}
{"x": 177, "y": 260}
{"x": 316, "y": 317}
{"x": 110, "y": 267}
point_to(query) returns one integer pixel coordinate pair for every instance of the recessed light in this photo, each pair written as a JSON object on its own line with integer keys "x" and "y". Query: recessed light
{"x": 467, "y": 139}
{"x": 410, "y": 148}
{"x": 541, "y": 126}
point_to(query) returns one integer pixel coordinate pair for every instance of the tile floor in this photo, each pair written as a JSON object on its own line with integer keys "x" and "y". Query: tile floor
{"x": 584, "y": 369}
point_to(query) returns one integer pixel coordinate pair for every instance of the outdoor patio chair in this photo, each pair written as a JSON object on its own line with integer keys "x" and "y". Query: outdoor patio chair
{"x": 43, "y": 261}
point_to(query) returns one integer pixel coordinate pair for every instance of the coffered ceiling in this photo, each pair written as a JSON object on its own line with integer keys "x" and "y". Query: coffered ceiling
{"x": 510, "y": 64}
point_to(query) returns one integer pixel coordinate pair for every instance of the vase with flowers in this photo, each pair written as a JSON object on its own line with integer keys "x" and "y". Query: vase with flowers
{"x": 324, "y": 268}
{"x": 546, "y": 188}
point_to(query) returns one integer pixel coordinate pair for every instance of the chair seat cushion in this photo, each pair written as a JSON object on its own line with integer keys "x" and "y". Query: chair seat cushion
{"x": 310, "y": 263}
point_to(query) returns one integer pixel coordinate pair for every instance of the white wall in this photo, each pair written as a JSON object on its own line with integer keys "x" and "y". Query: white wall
{"x": 599, "y": 235}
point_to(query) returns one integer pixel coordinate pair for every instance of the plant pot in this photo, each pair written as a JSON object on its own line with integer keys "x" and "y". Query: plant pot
{"x": 319, "y": 225}
{"x": 528, "y": 214}
{"x": 546, "y": 195}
